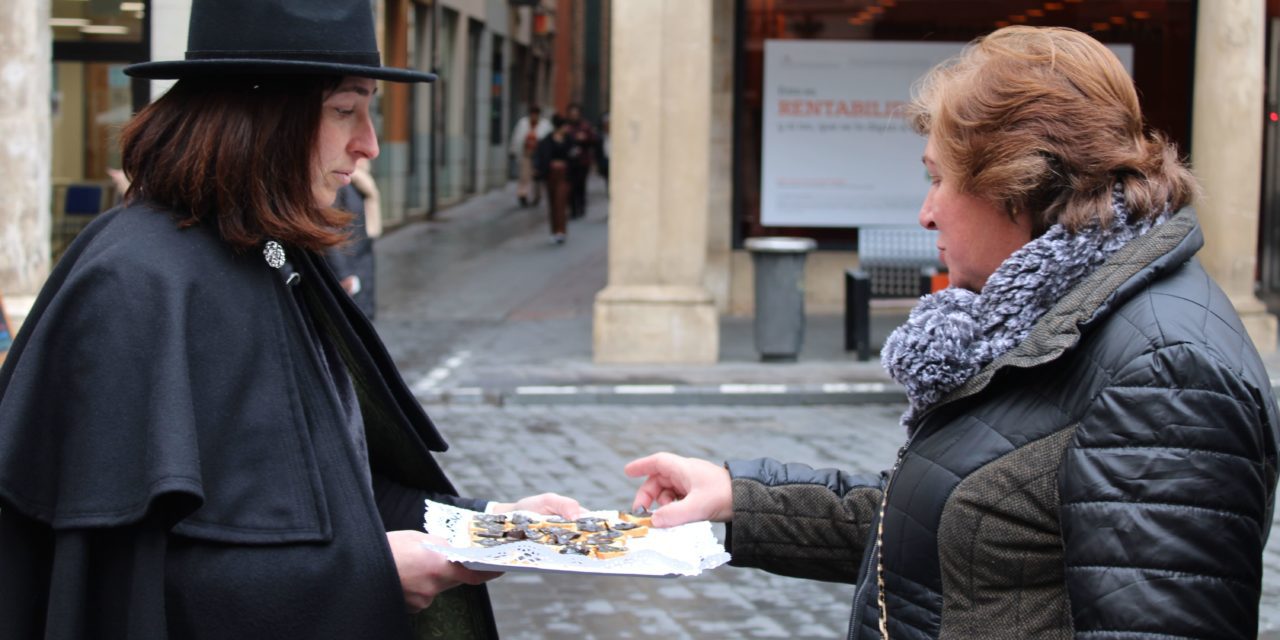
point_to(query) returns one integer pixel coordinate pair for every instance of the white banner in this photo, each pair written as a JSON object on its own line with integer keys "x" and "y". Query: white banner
{"x": 837, "y": 149}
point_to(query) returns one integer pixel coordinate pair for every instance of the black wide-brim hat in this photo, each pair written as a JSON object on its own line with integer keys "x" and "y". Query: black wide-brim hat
{"x": 279, "y": 37}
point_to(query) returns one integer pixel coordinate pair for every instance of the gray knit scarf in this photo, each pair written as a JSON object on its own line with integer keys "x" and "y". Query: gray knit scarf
{"x": 952, "y": 334}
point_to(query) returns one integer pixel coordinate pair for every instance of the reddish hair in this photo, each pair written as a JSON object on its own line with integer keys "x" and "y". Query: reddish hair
{"x": 1045, "y": 121}
{"x": 236, "y": 152}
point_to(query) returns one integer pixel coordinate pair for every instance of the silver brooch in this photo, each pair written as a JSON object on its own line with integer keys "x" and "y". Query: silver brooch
{"x": 274, "y": 253}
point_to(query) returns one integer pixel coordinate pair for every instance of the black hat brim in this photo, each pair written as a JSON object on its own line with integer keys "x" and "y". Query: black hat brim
{"x": 178, "y": 69}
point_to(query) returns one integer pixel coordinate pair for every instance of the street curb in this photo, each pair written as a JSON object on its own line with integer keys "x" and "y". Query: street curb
{"x": 837, "y": 393}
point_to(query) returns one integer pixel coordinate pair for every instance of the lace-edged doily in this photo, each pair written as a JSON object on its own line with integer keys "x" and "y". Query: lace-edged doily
{"x": 686, "y": 550}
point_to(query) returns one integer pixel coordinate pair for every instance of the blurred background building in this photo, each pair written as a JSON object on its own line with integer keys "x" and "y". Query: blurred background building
{"x": 61, "y": 68}
{"x": 690, "y": 177}
{"x": 691, "y": 104}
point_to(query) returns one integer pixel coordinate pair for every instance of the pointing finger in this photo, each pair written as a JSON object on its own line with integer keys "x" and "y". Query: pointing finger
{"x": 648, "y": 465}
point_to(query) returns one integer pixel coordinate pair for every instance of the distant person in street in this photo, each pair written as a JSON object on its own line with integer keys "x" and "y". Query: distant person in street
{"x": 201, "y": 436}
{"x": 1091, "y": 437}
{"x": 353, "y": 261}
{"x": 585, "y": 138}
{"x": 602, "y": 161}
{"x": 553, "y": 161}
{"x": 524, "y": 141}
{"x": 119, "y": 184}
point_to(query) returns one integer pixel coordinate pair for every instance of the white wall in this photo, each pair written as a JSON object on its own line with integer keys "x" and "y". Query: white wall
{"x": 169, "y": 20}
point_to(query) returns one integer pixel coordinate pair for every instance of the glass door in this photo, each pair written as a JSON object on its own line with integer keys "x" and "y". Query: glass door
{"x": 92, "y": 99}
{"x": 91, "y": 102}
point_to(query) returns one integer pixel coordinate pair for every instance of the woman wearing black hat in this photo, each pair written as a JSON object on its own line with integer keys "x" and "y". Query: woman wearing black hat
{"x": 200, "y": 434}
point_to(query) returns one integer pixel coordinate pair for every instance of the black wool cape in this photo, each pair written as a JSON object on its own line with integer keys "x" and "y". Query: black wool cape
{"x": 175, "y": 462}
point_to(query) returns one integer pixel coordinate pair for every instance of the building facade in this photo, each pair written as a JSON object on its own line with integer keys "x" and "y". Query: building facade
{"x": 441, "y": 142}
{"x": 683, "y": 80}
{"x": 446, "y": 141}
{"x": 687, "y": 180}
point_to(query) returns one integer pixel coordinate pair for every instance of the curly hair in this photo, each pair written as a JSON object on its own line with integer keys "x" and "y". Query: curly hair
{"x": 1045, "y": 121}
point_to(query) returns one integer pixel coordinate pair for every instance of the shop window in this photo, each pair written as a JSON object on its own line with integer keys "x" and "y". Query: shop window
{"x": 91, "y": 103}
{"x": 102, "y": 21}
{"x": 1157, "y": 34}
{"x": 92, "y": 99}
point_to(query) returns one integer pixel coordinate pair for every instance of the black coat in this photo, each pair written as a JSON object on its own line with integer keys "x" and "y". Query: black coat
{"x": 1111, "y": 476}
{"x": 551, "y": 150}
{"x": 174, "y": 461}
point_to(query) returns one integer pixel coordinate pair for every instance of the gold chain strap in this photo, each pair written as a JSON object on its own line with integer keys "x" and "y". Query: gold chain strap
{"x": 879, "y": 549}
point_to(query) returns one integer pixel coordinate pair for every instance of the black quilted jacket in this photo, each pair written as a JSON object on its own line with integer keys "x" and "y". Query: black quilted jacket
{"x": 1111, "y": 477}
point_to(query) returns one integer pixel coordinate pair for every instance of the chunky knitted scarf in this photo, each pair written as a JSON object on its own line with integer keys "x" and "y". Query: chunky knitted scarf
{"x": 954, "y": 333}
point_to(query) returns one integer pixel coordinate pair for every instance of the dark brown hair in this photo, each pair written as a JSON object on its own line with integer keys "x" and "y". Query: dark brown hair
{"x": 235, "y": 152}
{"x": 1044, "y": 121}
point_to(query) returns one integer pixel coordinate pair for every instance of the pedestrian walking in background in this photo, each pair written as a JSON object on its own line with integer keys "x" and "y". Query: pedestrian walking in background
{"x": 528, "y": 131}
{"x": 583, "y": 155}
{"x": 1091, "y": 436}
{"x": 201, "y": 437}
{"x": 353, "y": 261}
{"x": 604, "y": 150}
{"x": 553, "y": 161}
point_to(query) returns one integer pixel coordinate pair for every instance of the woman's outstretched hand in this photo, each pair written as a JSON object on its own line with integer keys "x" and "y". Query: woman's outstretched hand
{"x": 549, "y": 503}
{"x": 687, "y": 489}
{"x": 424, "y": 574}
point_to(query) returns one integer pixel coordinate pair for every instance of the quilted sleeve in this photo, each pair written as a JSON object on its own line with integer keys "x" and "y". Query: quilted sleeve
{"x": 794, "y": 520}
{"x": 1166, "y": 494}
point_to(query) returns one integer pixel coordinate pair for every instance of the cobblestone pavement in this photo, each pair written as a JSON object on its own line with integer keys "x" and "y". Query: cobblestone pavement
{"x": 509, "y": 452}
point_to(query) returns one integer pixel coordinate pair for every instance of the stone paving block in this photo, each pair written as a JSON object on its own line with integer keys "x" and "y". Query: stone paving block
{"x": 580, "y": 450}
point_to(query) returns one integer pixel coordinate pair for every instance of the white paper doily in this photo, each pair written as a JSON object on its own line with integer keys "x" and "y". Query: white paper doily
{"x": 686, "y": 550}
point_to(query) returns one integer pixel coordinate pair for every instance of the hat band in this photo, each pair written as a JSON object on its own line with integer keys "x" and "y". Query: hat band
{"x": 362, "y": 58}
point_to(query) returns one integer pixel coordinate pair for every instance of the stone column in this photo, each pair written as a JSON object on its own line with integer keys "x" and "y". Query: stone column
{"x": 25, "y": 129}
{"x": 169, "y": 21}
{"x": 1226, "y": 151}
{"x": 656, "y": 308}
{"x": 719, "y": 269}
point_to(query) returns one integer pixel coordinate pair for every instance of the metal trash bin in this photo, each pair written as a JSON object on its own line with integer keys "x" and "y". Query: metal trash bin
{"x": 779, "y": 284}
